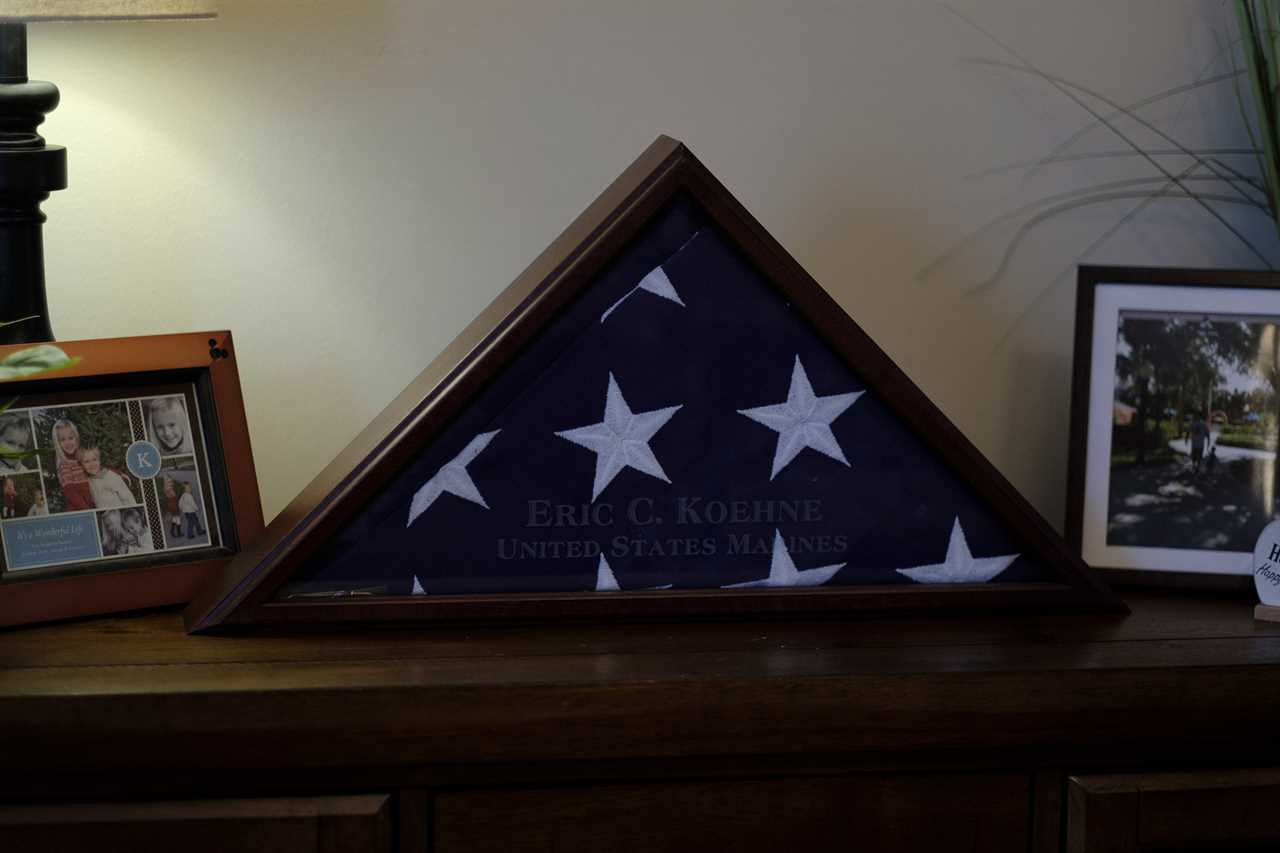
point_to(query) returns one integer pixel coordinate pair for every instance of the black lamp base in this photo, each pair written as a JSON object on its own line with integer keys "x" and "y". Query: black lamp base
{"x": 29, "y": 171}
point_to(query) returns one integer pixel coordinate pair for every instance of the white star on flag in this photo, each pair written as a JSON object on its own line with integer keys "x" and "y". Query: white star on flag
{"x": 607, "y": 581}
{"x": 960, "y": 565}
{"x": 783, "y": 571}
{"x": 804, "y": 420}
{"x": 452, "y": 478}
{"x": 621, "y": 440}
{"x": 657, "y": 283}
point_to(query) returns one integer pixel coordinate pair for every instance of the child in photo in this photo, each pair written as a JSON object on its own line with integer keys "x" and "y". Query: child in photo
{"x": 113, "y": 537}
{"x": 171, "y": 510}
{"x": 168, "y": 419}
{"x": 38, "y": 506}
{"x": 137, "y": 539}
{"x": 15, "y": 437}
{"x": 190, "y": 512}
{"x": 107, "y": 486}
{"x": 71, "y": 474}
{"x": 10, "y": 508}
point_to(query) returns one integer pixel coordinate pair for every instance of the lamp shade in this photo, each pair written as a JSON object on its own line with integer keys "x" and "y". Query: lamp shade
{"x": 105, "y": 10}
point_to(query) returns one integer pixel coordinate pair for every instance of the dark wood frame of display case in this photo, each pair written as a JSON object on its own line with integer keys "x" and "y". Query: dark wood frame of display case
{"x": 667, "y": 170}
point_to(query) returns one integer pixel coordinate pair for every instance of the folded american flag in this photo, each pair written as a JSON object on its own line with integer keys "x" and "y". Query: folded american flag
{"x": 679, "y": 426}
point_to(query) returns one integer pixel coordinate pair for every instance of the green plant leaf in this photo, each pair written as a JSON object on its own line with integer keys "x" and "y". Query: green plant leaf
{"x": 42, "y": 358}
{"x": 1255, "y": 53}
{"x": 19, "y": 320}
{"x": 1091, "y": 195}
{"x": 1267, "y": 30}
{"x": 1025, "y": 228}
{"x": 1259, "y": 37}
{"x": 1074, "y": 91}
{"x": 1127, "y": 153}
{"x": 1069, "y": 89}
{"x": 1247, "y": 121}
{"x": 1114, "y": 229}
{"x": 1062, "y": 146}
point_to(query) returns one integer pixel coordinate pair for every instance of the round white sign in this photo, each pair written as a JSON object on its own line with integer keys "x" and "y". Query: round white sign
{"x": 1266, "y": 564}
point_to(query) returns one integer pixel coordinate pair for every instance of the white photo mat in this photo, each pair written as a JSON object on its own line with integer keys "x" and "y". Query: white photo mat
{"x": 1110, "y": 299}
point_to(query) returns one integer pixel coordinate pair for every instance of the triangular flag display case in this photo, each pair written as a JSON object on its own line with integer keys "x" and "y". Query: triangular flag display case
{"x": 663, "y": 416}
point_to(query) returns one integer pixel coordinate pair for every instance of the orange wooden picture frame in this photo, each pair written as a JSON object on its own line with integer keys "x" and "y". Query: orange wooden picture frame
{"x": 205, "y": 359}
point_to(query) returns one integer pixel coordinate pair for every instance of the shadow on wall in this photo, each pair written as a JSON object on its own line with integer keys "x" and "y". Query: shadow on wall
{"x": 1037, "y": 418}
{"x": 1005, "y": 391}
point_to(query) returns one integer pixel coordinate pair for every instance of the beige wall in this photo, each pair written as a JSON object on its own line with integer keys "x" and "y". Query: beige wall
{"x": 346, "y": 184}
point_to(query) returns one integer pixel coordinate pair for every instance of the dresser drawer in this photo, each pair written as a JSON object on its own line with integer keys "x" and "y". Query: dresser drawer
{"x": 867, "y": 814}
{"x": 1203, "y": 810}
{"x": 303, "y": 825}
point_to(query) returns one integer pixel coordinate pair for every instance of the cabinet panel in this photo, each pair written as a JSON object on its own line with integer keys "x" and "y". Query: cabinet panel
{"x": 1205, "y": 810}
{"x": 986, "y": 812}
{"x": 305, "y": 825}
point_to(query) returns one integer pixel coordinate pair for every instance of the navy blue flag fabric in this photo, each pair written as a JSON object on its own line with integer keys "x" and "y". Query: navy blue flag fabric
{"x": 679, "y": 426}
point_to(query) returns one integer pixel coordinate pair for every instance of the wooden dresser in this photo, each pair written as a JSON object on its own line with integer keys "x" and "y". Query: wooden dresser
{"x": 1154, "y": 731}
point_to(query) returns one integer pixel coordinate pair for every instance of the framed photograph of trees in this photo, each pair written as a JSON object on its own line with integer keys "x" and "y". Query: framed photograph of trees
{"x": 1174, "y": 432}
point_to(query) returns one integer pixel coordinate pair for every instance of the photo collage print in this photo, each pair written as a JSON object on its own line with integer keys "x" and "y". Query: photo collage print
{"x": 101, "y": 480}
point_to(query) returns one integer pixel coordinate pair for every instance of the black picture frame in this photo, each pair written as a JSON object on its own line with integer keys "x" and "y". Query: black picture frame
{"x": 1103, "y": 292}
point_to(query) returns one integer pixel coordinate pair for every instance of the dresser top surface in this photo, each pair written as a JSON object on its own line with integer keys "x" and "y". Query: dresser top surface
{"x": 120, "y": 691}
{"x": 150, "y": 652}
